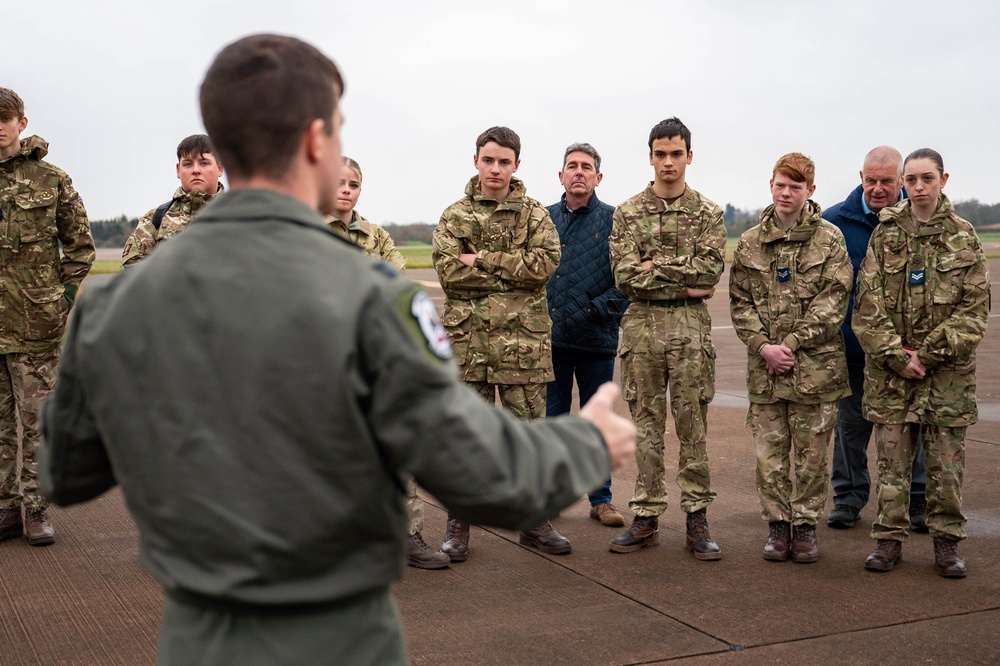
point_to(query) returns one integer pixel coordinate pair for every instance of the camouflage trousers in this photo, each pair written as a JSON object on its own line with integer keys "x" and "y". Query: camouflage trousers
{"x": 669, "y": 347}
{"x": 944, "y": 453}
{"x": 414, "y": 509}
{"x": 525, "y": 401}
{"x": 791, "y": 436}
{"x": 25, "y": 381}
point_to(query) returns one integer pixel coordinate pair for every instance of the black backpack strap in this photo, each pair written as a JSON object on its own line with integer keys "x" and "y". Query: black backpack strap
{"x": 160, "y": 211}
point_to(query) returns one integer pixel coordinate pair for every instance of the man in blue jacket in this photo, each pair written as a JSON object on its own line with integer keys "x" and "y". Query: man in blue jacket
{"x": 881, "y": 186}
{"x": 584, "y": 304}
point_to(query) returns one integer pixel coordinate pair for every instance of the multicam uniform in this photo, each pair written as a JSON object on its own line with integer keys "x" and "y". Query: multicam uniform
{"x": 922, "y": 286}
{"x": 39, "y": 210}
{"x": 377, "y": 243}
{"x": 374, "y": 239}
{"x": 667, "y": 337}
{"x": 147, "y": 237}
{"x": 496, "y": 311}
{"x": 791, "y": 287}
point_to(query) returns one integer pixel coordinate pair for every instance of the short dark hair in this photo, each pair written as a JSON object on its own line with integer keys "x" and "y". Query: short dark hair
{"x": 502, "y": 136}
{"x": 583, "y": 148}
{"x": 11, "y": 104}
{"x": 927, "y": 153}
{"x": 258, "y": 97}
{"x": 668, "y": 129}
{"x": 196, "y": 145}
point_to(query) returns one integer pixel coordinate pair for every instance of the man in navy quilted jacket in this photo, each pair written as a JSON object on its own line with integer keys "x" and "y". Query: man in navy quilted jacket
{"x": 584, "y": 304}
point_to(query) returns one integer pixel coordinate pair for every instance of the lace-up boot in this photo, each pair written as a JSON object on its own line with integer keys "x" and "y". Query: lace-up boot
{"x": 699, "y": 541}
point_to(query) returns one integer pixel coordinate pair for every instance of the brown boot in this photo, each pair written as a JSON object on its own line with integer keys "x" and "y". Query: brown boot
{"x": 699, "y": 541}
{"x": 887, "y": 554}
{"x": 10, "y": 523}
{"x": 946, "y": 558}
{"x": 422, "y": 556}
{"x": 546, "y": 539}
{"x": 456, "y": 540}
{"x": 804, "y": 549}
{"x": 644, "y": 532}
{"x": 778, "y": 540}
{"x": 40, "y": 531}
{"x": 607, "y": 514}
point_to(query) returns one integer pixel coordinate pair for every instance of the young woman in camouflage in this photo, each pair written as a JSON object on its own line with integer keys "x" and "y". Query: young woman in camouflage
{"x": 346, "y": 222}
{"x": 921, "y": 311}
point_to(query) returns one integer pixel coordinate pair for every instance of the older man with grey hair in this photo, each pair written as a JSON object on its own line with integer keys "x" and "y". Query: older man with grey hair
{"x": 881, "y": 186}
{"x": 584, "y": 304}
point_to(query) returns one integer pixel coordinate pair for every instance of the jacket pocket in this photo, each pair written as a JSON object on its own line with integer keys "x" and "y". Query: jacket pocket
{"x": 809, "y": 278}
{"x": 821, "y": 370}
{"x": 949, "y": 276}
{"x": 893, "y": 269}
{"x": 459, "y": 326}
{"x": 45, "y": 312}
{"x": 36, "y": 213}
{"x": 534, "y": 341}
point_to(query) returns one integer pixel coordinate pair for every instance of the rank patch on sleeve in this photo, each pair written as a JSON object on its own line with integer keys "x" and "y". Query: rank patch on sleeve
{"x": 423, "y": 310}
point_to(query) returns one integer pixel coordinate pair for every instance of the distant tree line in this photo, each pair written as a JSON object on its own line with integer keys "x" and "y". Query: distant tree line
{"x": 985, "y": 217}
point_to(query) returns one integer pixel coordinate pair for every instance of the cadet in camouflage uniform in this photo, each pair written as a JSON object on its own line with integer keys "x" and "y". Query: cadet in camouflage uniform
{"x": 346, "y": 222}
{"x": 377, "y": 243}
{"x": 667, "y": 254}
{"x": 494, "y": 251}
{"x": 921, "y": 311}
{"x": 788, "y": 292}
{"x": 199, "y": 172}
{"x": 39, "y": 212}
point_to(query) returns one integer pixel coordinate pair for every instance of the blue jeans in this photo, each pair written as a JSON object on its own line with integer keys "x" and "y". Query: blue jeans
{"x": 850, "y": 479}
{"x": 591, "y": 371}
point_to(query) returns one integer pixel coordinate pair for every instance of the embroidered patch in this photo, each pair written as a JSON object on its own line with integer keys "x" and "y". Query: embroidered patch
{"x": 126, "y": 250}
{"x": 784, "y": 274}
{"x": 423, "y": 310}
{"x": 917, "y": 276}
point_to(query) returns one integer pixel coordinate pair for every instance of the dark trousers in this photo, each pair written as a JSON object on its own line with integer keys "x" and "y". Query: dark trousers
{"x": 591, "y": 370}
{"x": 850, "y": 479}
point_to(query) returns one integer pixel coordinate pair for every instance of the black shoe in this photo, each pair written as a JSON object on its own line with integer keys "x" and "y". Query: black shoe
{"x": 644, "y": 532}
{"x": 843, "y": 517}
{"x": 918, "y": 514}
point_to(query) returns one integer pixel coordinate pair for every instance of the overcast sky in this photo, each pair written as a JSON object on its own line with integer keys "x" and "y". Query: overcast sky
{"x": 112, "y": 86}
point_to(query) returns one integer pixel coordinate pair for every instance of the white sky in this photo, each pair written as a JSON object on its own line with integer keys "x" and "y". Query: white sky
{"x": 112, "y": 86}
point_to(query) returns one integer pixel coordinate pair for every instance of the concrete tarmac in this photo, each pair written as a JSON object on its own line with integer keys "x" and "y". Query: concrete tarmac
{"x": 85, "y": 600}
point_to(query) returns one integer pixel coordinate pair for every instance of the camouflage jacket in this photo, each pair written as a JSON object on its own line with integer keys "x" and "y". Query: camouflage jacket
{"x": 792, "y": 287}
{"x": 496, "y": 311}
{"x": 39, "y": 212}
{"x": 146, "y": 237}
{"x": 372, "y": 238}
{"x": 686, "y": 241}
{"x": 926, "y": 287}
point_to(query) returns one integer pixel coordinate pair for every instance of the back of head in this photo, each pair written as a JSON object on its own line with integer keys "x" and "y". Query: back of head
{"x": 196, "y": 145}
{"x": 259, "y": 96}
{"x": 502, "y": 136}
{"x": 797, "y": 167}
{"x": 668, "y": 129}
{"x": 11, "y": 105}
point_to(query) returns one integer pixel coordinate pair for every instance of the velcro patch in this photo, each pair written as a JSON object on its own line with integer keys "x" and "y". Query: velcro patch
{"x": 917, "y": 276}
{"x": 423, "y": 310}
{"x": 784, "y": 274}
